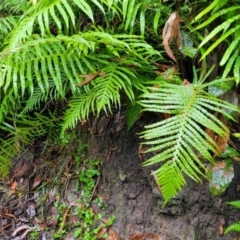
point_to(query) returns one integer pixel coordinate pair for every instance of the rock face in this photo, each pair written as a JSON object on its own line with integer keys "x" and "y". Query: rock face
{"x": 136, "y": 202}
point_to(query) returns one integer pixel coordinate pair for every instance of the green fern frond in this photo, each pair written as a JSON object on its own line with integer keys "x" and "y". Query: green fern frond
{"x": 133, "y": 113}
{"x": 103, "y": 95}
{"x": 214, "y": 16}
{"x": 21, "y": 133}
{"x": 33, "y": 103}
{"x": 223, "y": 37}
{"x": 206, "y": 10}
{"x": 40, "y": 57}
{"x": 43, "y": 13}
{"x": 14, "y": 6}
{"x": 230, "y": 30}
{"x": 230, "y": 62}
{"x": 79, "y": 108}
{"x": 235, "y": 204}
{"x": 233, "y": 227}
{"x": 178, "y": 140}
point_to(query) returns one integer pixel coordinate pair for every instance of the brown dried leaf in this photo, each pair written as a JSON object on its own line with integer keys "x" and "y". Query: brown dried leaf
{"x": 102, "y": 231}
{"x": 12, "y": 188}
{"x": 185, "y": 82}
{"x": 170, "y": 32}
{"x": 141, "y": 153}
{"x": 37, "y": 181}
{"x": 220, "y": 228}
{"x": 87, "y": 78}
{"x": 112, "y": 235}
{"x": 146, "y": 236}
{"x": 21, "y": 171}
{"x": 5, "y": 227}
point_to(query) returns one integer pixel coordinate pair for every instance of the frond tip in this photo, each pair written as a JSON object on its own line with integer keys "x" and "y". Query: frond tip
{"x": 177, "y": 141}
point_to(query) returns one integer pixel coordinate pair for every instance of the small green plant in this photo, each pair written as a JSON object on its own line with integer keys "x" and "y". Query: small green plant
{"x": 235, "y": 226}
{"x": 89, "y": 226}
{"x": 34, "y": 234}
{"x": 90, "y": 222}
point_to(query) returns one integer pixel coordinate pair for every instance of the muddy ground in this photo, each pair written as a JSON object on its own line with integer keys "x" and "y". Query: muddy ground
{"x": 129, "y": 190}
{"x": 134, "y": 199}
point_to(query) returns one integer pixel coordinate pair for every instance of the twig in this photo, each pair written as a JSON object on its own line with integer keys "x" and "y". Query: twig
{"x": 63, "y": 221}
{"x": 94, "y": 189}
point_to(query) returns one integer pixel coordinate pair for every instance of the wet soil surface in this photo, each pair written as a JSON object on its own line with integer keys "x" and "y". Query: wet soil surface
{"x": 129, "y": 190}
{"x": 133, "y": 196}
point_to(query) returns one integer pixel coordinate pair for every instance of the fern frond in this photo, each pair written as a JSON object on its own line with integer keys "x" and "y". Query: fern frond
{"x": 223, "y": 37}
{"x": 206, "y": 10}
{"x": 177, "y": 140}
{"x": 235, "y": 204}
{"x": 214, "y": 16}
{"x": 21, "y": 133}
{"x": 230, "y": 30}
{"x": 133, "y": 113}
{"x": 233, "y": 227}
{"x": 103, "y": 95}
{"x": 43, "y": 13}
{"x": 14, "y": 6}
{"x": 40, "y": 57}
{"x": 79, "y": 108}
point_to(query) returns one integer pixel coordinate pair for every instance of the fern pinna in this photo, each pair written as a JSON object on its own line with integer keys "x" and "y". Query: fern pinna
{"x": 235, "y": 226}
{"x": 180, "y": 141}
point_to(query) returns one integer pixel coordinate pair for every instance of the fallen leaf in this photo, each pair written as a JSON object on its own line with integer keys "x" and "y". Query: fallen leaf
{"x": 101, "y": 232}
{"x": 220, "y": 175}
{"x": 12, "y": 188}
{"x": 4, "y": 227}
{"x": 112, "y": 235}
{"x": 185, "y": 82}
{"x": 170, "y": 32}
{"x": 37, "y": 181}
{"x": 220, "y": 228}
{"x": 146, "y": 236}
{"x": 89, "y": 77}
{"x": 31, "y": 212}
{"x": 21, "y": 171}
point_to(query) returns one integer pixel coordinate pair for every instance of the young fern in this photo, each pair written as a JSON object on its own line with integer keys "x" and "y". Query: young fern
{"x": 178, "y": 140}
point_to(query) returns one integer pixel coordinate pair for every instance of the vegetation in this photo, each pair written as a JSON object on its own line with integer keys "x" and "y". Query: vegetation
{"x": 235, "y": 226}
{"x": 63, "y": 61}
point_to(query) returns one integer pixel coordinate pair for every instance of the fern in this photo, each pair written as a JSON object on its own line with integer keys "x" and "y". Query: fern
{"x": 230, "y": 31}
{"x": 235, "y": 226}
{"x": 177, "y": 140}
{"x": 133, "y": 113}
{"x": 21, "y": 132}
{"x": 104, "y": 94}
